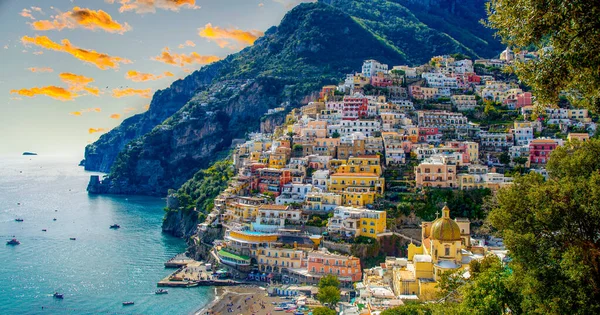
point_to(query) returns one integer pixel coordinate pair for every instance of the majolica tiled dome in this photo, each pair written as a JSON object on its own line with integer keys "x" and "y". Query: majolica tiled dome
{"x": 444, "y": 228}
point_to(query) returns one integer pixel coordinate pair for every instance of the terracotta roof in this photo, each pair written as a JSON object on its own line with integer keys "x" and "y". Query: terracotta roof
{"x": 274, "y": 207}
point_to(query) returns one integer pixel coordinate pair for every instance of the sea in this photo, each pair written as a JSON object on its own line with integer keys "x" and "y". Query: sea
{"x": 102, "y": 267}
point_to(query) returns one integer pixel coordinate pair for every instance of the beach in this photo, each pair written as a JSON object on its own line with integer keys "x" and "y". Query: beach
{"x": 246, "y": 299}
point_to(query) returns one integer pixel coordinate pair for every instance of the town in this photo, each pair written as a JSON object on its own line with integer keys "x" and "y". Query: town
{"x": 319, "y": 194}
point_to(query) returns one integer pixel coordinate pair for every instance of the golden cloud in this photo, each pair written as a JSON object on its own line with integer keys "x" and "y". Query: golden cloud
{"x": 94, "y": 130}
{"x": 128, "y": 109}
{"x": 147, "y": 107}
{"x": 141, "y": 77}
{"x": 79, "y": 83}
{"x": 118, "y": 93}
{"x": 150, "y": 6}
{"x": 43, "y": 69}
{"x": 182, "y": 59}
{"x": 86, "y": 110}
{"x": 75, "y": 113}
{"x": 187, "y": 43}
{"x": 84, "y": 18}
{"x": 26, "y": 13}
{"x": 115, "y": 116}
{"x": 224, "y": 37}
{"x": 100, "y": 60}
{"x": 54, "y": 92}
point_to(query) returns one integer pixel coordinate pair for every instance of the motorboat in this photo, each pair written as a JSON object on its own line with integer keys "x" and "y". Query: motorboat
{"x": 19, "y": 220}
{"x": 54, "y": 219}
{"x": 72, "y": 238}
{"x": 115, "y": 226}
{"x": 14, "y": 241}
{"x": 128, "y": 303}
{"x": 44, "y": 230}
{"x": 58, "y": 295}
{"x": 161, "y": 291}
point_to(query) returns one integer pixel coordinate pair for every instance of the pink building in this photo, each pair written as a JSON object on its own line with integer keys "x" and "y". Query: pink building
{"x": 380, "y": 80}
{"x": 540, "y": 149}
{"x": 523, "y": 99}
{"x": 415, "y": 92}
{"x": 355, "y": 107}
{"x": 427, "y": 134}
{"x": 346, "y": 268}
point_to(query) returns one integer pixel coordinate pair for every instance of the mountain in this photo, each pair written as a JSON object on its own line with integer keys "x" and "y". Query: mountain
{"x": 193, "y": 122}
{"x": 314, "y": 45}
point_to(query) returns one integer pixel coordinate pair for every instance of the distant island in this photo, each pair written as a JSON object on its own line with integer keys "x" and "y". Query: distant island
{"x": 29, "y": 153}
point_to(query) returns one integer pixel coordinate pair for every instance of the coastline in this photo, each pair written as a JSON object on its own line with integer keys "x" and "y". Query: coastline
{"x": 219, "y": 294}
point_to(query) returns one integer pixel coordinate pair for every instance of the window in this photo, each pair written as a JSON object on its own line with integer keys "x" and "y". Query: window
{"x": 447, "y": 251}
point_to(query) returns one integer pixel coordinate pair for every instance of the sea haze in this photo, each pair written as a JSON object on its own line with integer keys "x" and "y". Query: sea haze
{"x": 99, "y": 270}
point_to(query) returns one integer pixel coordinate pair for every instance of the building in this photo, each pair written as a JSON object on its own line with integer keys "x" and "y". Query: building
{"x": 355, "y": 222}
{"x": 523, "y": 132}
{"x": 372, "y": 67}
{"x": 479, "y": 177}
{"x": 445, "y": 247}
{"x": 355, "y": 107}
{"x": 464, "y": 102}
{"x": 578, "y": 136}
{"x": 443, "y": 120}
{"x": 540, "y": 149}
{"x": 436, "y": 171}
{"x": 271, "y": 218}
{"x": 339, "y": 182}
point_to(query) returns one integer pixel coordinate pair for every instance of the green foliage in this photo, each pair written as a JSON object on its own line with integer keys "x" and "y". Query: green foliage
{"x": 553, "y": 235}
{"x": 330, "y": 295}
{"x": 323, "y": 311}
{"x": 201, "y": 190}
{"x": 566, "y": 35}
{"x": 462, "y": 203}
{"x": 318, "y": 220}
{"x": 335, "y": 134}
{"x": 329, "y": 280}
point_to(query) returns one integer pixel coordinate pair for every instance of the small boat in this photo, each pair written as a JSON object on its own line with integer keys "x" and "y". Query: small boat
{"x": 54, "y": 219}
{"x": 72, "y": 238}
{"x": 44, "y": 230}
{"x": 161, "y": 291}
{"x": 19, "y": 220}
{"x": 128, "y": 303}
{"x": 115, "y": 226}
{"x": 14, "y": 241}
{"x": 58, "y": 295}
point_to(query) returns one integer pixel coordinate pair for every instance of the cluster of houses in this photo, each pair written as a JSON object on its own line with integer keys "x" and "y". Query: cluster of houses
{"x": 321, "y": 173}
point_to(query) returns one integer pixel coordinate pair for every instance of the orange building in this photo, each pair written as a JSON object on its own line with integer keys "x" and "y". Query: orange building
{"x": 346, "y": 268}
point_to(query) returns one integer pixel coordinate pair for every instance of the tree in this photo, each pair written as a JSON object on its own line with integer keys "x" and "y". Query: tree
{"x": 566, "y": 35}
{"x": 335, "y": 134}
{"x": 504, "y": 158}
{"x": 330, "y": 295}
{"x": 329, "y": 281}
{"x": 551, "y": 231}
{"x": 323, "y": 311}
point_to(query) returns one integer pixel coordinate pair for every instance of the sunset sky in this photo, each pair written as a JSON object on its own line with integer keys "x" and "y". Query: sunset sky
{"x": 74, "y": 69}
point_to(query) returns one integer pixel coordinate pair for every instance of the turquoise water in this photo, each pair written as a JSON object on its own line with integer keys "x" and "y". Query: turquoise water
{"x": 100, "y": 269}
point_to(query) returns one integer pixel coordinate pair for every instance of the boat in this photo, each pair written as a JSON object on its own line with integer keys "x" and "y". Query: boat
{"x": 44, "y": 230}
{"x": 115, "y": 226}
{"x": 128, "y": 303}
{"x": 19, "y": 220}
{"x": 58, "y": 295}
{"x": 161, "y": 291}
{"x": 29, "y": 153}
{"x": 54, "y": 219}
{"x": 14, "y": 241}
{"x": 72, "y": 238}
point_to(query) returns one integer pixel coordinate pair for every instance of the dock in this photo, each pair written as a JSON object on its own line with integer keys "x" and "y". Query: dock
{"x": 178, "y": 261}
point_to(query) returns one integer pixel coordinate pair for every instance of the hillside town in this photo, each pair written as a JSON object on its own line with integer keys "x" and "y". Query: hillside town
{"x": 309, "y": 190}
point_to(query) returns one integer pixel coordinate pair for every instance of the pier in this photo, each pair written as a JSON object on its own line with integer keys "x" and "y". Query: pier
{"x": 178, "y": 261}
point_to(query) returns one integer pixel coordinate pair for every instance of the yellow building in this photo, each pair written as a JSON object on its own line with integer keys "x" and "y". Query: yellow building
{"x": 277, "y": 160}
{"x": 362, "y": 164}
{"x": 358, "y": 197}
{"x": 340, "y": 182}
{"x": 444, "y": 247}
{"x": 578, "y": 136}
{"x": 351, "y": 221}
{"x": 274, "y": 259}
{"x": 372, "y": 223}
{"x": 242, "y": 209}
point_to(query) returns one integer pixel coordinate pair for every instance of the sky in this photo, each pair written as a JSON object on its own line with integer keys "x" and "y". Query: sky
{"x": 71, "y": 70}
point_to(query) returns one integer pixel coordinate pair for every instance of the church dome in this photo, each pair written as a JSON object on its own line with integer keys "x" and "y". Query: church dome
{"x": 444, "y": 228}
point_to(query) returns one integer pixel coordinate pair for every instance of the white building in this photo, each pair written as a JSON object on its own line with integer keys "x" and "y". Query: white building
{"x": 371, "y": 67}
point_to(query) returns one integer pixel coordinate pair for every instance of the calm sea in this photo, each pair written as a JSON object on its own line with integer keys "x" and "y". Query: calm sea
{"x": 101, "y": 268}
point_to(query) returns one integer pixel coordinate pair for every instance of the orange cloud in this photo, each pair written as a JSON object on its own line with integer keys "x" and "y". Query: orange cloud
{"x": 147, "y": 107}
{"x": 84, "y": 18}
{"x": 150, "y": 6}
{"x": 118, "y": 93}
{"x": 141, "y": 77}
{"x": 54, "y": 92}
{"x": 100, "y": 60}
{"x": 128, "y": 109}
{"x": 79, "y": 83}
{"x": 87, "y": 110}
{"x": 94, "y": 130}
{"x": 224, "y": 37}
{"x": 115, "y": 116}
{"x": 75, "y": 113}
{"x": 187, "y": 43}
{"x": 43, "y": 69}
{"x": 182, "y": 59}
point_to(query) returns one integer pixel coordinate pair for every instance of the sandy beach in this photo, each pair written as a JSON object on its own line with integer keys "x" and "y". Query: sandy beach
{"x": 241, "y": 300}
